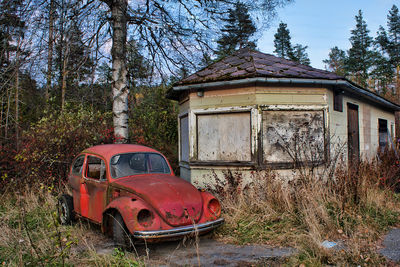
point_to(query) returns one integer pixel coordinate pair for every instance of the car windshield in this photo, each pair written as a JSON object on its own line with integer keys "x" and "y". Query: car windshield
{"x": 123, "y": 165}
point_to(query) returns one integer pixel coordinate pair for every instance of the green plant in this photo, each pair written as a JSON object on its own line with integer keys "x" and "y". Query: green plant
{"x": 153, "y": 122}
{"x": 49, "y": 146}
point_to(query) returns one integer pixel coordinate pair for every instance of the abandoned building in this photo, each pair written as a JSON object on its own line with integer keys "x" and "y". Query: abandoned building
{"x": 253, "y": 111}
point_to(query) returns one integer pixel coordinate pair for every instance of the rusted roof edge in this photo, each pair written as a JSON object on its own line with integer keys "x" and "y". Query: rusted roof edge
{"x": 346, "y": 85}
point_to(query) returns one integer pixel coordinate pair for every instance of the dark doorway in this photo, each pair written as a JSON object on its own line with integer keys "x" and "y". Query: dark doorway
{"x": 353, "y": 135}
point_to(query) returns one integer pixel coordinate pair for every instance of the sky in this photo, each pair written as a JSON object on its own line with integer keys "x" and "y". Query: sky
{"x": 323, "y": 24}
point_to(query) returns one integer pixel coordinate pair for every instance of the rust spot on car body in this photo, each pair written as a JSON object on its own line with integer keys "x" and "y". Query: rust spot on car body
{"x": 146, "y": 201}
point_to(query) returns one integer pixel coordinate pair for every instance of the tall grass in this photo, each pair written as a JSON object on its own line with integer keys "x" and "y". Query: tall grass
{"x": 31, "y": 235}
{"x": 352, "y": 208}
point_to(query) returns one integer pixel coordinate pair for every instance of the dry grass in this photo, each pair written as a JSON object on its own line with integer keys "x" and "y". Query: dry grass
{"x": 352, "y": 209}
{"x": 30, "y": 235}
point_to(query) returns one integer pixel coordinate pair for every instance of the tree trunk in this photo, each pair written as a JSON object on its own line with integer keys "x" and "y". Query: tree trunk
{"x": 398, "y": 84}
{"x": 50, "y": 51}
{"x": 64, "y": 77}
{"x": 17, "y": 103}
{"x": 7, "y": 113}
{"x": 1, "y": 119}
{"x": 119, "y": 80}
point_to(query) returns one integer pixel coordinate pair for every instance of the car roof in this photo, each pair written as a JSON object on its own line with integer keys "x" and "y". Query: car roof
{"x": 110, "y": 150}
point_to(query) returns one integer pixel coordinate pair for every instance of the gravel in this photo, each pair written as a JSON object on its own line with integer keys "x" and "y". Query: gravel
{"x": 391, "y": 245}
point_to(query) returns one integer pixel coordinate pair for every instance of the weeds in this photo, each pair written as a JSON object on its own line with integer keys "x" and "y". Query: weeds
{"x": 31, "y": 235}
{"x": 354, "y": 208}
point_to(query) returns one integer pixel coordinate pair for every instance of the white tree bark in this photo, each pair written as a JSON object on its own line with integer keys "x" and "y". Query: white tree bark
{"x": 119, "y": 73}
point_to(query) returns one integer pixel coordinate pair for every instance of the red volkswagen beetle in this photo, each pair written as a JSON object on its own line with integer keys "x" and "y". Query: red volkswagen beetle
{"x": 131, "y": 190}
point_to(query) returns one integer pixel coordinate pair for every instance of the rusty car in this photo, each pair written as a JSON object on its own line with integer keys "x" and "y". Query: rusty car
{"x": 131, "y": 191}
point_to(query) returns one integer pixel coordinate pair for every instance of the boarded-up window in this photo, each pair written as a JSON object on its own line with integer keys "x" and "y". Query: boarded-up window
{"x": 184, "y": 124}
{"x": 337, "y": 101}
{"x": 224, "y": 137}
{"x": 293, "y": 137}
{"x": 392, "y": 130}
{"x": 383, "y": 134}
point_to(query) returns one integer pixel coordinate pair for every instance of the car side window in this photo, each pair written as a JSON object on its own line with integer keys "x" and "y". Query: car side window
{"x": 96, "y": 168}
{"x": 77, "y": 166}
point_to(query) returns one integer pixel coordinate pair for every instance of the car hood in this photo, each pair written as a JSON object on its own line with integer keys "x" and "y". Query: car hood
{"x": 177, "y": 201}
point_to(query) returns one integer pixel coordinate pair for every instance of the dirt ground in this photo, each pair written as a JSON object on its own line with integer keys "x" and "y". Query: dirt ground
{"x": 391, "y": 245}
{"x": 205, "y": 252}
{"x": 209, "y": 252}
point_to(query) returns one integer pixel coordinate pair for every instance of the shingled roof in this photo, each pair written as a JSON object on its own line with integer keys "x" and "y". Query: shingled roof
{"x": 247, "y": 63}
{"x": 248, "y": 66}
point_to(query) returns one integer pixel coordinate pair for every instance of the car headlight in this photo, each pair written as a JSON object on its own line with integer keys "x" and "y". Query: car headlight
{"x": 144, "y": 217}
{"x": 214, "y": 207}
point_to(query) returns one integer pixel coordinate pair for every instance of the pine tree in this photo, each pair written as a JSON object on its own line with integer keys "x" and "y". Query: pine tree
{"x": 394, "y": 36}
{"x": 73, "y": 56}
{"x": 11, "y": 28}
{"x": 138, "y": 67}
{"x": 336, "y": 61}
{"x": 237, "y": 32}
{"x": 387, "y": 45}
{"x": 393, "y": 43}
{"x": 360, "y": 56}
{"x": 79, "y": 62}
{"x": 284, "y": 48}
{"x": 282, "y": 43}
{"x": 382, "y": 70}
{"x": 300, "y": 55}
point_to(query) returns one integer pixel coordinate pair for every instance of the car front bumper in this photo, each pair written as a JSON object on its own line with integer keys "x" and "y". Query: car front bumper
{"x": 179, "y": 231}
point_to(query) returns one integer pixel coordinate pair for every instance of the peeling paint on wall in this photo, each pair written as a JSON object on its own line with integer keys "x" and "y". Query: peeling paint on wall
{"x": 293, "y": 136}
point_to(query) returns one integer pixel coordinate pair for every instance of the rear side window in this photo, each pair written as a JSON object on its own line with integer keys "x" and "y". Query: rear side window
{"x": 77, "y": 165}
{"x": 96, "y": 169}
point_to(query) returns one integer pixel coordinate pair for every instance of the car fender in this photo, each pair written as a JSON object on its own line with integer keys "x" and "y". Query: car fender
{"x": 129, "y": 208}
{"x": 207, "y": 215}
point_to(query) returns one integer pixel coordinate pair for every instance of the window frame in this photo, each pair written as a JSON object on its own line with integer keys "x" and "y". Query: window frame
{"x": 194, "y": 159}
{"x": 73, "y": 164}
{"x": 386, "y": 130}
{"x": 185, "y": 115}
{"x": 290, "y": 165}
{"x": 87, "y": 168}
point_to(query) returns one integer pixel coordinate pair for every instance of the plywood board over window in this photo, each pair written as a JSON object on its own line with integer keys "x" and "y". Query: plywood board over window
{"x": 293, "y": 137}
{"x": 224, "y": 137}
{"x": 184, "y": 138}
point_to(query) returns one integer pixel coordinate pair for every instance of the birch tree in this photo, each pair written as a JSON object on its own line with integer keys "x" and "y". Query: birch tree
{"x": 174, "y": 33}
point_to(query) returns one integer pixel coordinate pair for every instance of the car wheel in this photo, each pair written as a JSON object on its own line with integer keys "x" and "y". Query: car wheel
{"x": 65, "y": 208}
{"x": 121, "y": 234}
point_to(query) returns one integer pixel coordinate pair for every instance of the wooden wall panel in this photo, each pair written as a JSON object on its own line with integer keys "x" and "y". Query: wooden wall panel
{"x": 224, "y": 137}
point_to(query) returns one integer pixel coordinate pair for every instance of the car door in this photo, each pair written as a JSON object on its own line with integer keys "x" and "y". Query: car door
{"x": 95, "y": 180}
{"x": 75, "y": 181}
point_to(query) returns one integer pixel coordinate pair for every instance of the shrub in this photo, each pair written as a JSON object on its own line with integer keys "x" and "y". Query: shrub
{"x": 48, "y": 147}
{"x": 153, "y": 122}
{"x": 389, "y": 170}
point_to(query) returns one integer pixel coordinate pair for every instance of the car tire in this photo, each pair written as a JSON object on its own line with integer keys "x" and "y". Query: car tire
{"x": 65, "y": 209}
{"x": 121, "y": 234}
